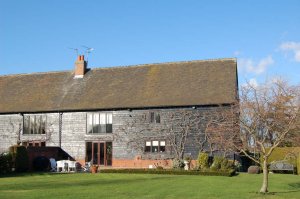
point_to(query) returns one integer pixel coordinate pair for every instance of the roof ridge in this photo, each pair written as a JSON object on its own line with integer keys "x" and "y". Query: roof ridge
{"x": 163, "y": 63}
{"x": 36, "y": 73}
{"x": 124, "y": 66}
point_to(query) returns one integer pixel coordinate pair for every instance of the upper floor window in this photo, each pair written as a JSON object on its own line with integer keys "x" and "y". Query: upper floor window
{"x": 154, "y": 117}
{"x": 99, "y": 123}
{"x": 34, "y": 124}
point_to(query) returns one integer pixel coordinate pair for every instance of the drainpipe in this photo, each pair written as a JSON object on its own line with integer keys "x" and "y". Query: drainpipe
{"x": 21, "y": 129}
{"x": 59, "y": 128}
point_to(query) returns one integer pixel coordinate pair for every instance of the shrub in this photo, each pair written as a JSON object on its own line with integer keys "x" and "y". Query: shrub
{"x": 203, "y": 161}
{"x": 188, "y": 158}
{"x": 22, "y": 160}
{"x": 5, "y": 163}
{"x": 13, "y": 152}
{"x": 19, "y": 158}
{"x": 298, "y": 164}
{"x": 159, "y": 168}
{"x": 236, "y": 165}
{"x": 226, "y": 164}
{"x": 254, "y": 170}
{"x": 177, "y": 164}
{"x": 216, "y": 165}
{"x": 41, "y": 163}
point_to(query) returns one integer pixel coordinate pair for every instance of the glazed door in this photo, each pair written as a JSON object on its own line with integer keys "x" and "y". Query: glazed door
{"x": 99, "y": 152}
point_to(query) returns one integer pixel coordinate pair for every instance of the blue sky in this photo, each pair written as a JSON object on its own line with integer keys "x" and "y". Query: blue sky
{"x": 35, "y": 36}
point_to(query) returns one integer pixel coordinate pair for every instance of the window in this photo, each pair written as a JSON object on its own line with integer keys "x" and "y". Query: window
{"x": 157, "y": 118}
{"x": 35, "y": 124}
{"x": 154, "y": 117}
{"x": 34, "y": 143}
{"x": 155, "y": 146}
{"x": 162, "y": 146}
{"x": 99, "y": 123}
{"x": 148, "y": 146}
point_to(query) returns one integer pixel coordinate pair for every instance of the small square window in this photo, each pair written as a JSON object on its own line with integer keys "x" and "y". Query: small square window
{"x": 148, "y": 146}
{"x": 154, "y": 146}
{"x": 162, "y": 146}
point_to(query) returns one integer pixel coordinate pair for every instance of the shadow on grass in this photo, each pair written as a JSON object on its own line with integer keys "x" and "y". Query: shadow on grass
{"x": 295, "y": 186}
{"x": 291, "y": 191}
{"x": 82, "y": 181}
{"x": 11, "y": 175}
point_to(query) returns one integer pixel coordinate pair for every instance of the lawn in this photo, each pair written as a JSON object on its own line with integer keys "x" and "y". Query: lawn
{"x": 85, "y": 185}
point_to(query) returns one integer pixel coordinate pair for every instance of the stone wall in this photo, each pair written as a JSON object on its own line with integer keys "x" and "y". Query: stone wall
{"x": 131, "y": 129}
{"x": 10, "y": 128}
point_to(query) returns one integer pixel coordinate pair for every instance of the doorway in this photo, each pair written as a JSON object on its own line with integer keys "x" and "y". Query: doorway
{"x": 100, "y": 153}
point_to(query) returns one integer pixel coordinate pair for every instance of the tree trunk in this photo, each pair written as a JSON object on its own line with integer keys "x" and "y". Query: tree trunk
{"x": 264, "y": 187}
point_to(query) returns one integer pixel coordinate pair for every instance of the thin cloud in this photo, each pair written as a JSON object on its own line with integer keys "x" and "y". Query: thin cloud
{"x": 292, "y": 46}
{"x": 237, "y": 53}
{"x": 257, "y": 68}
{"x": 252, "y": 83}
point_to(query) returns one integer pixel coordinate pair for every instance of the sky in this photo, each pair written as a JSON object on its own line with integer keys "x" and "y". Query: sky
{"x": 264, "y": 36}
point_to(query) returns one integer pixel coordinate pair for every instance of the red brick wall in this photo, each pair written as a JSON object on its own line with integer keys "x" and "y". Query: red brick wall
{"x": 138, "y": 163}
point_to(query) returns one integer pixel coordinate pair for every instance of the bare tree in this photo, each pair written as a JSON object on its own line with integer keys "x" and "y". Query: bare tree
{"x": 268, "y": 116}
{"x": 131, "y": 133}
{"x": 293, "y": 138}
{"x": 179, "y": 127}
{"x": 221, "y": 129}
{"x": 200, "y": 129}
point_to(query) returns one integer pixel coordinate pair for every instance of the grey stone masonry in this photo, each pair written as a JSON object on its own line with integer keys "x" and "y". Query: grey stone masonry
{"x": 131, "y": 130}
{"x": 10, "y": 128}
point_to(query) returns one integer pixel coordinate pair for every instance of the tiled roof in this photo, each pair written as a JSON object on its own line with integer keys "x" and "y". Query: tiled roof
{"x": 204, "y": 82}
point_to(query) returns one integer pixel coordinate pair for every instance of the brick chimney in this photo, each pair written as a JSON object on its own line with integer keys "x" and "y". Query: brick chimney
{"x": 80, "y": 67}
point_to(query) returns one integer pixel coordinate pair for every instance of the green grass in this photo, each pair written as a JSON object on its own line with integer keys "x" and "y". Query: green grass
{"x": 85, "y": 185}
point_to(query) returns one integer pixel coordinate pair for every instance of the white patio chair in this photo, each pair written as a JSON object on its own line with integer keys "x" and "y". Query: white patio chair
{"x": 87, "y": 166}
{"x": 71, "y": 165}
{"x": 60, "y": 165}
{"x": 53, "y": 165}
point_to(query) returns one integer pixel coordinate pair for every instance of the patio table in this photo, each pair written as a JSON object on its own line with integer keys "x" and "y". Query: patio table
{"x": 66, "y": 166}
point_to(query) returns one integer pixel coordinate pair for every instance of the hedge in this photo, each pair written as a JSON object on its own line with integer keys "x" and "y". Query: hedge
{"x": 5, "y": 163}
{"x": 228, "y": 173}
{"x": 20, "y": 158}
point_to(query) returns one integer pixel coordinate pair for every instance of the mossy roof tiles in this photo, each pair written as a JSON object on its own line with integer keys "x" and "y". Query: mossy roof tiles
{"x": 206, "y": 82}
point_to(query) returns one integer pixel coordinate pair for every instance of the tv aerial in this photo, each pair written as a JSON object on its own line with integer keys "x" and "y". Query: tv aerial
{"x": 88, "y": 50}
{"x": 75, "y": 49}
